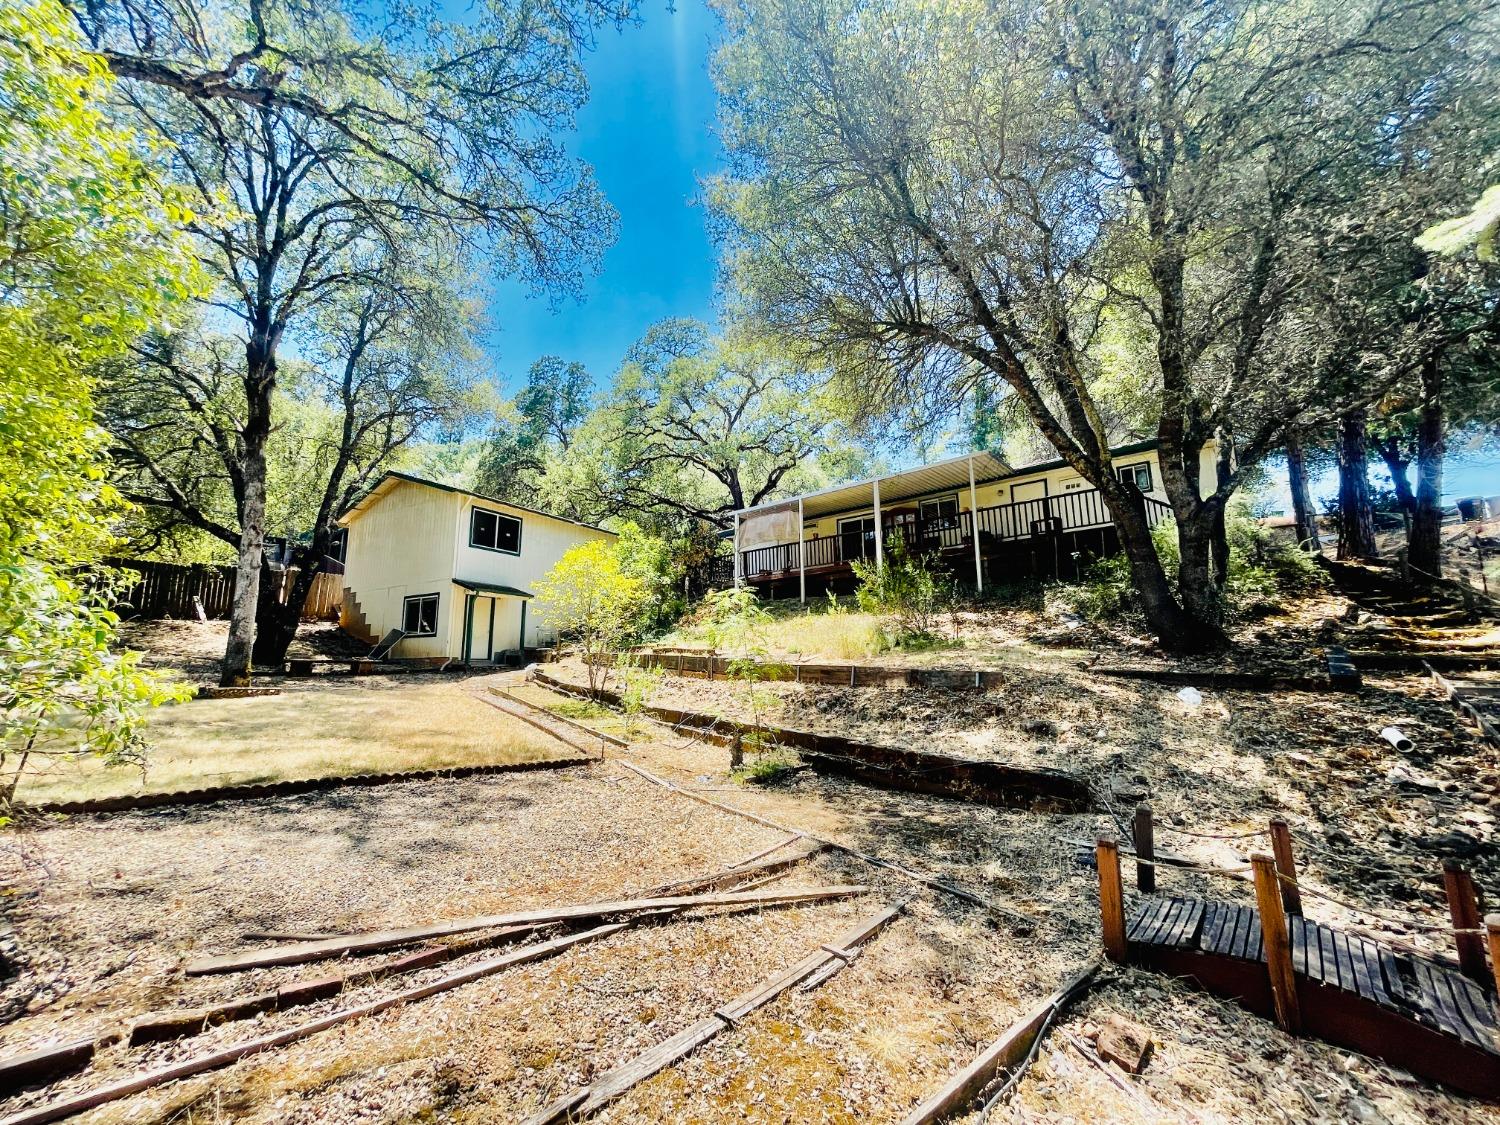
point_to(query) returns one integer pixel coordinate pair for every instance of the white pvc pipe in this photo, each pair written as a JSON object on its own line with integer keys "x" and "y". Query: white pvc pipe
{"x": 1394, "y": 736}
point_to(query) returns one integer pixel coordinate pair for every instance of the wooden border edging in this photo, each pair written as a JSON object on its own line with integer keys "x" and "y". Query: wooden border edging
{"x": 579, "y": 1104}
{"x": 967, "y": 679}
{"x": 1015, "y": 917}
{"x": 918, "y": 771}
{"x": 618, "y": 743}
{"x": 1465, "y": 709}
{"x": 538, "y": 724}
{"x": 261, "y": 790}
{"x": 235, "y": 1052}
{"x": 299, "y": 953}
{"x": 45, "y": 1064}
{"x": 1006, "y": 1051}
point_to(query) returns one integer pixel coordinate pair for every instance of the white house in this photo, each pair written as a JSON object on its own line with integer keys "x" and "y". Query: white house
{"x": 1037, "y": 519}
{"x": 451, "y": 570}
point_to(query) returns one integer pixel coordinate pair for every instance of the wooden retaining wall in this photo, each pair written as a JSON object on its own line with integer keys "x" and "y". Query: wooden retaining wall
{"x": 686, "y": 663}
{"x": 260, "y": 790}
{"x": 889, "y": 767}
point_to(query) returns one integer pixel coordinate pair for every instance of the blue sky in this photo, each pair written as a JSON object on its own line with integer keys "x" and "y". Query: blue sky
{"x": 648, "y": 132}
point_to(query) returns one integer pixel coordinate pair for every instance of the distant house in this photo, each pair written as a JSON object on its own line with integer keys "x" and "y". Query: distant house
{"x": 1039, "y": 519}
{"x": 451, "y": 570}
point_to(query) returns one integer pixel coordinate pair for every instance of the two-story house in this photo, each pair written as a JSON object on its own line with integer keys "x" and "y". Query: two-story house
{"x": 451, "y": 570}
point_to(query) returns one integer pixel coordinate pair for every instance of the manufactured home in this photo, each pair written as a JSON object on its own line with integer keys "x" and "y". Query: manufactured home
{"x": 450, "y": 571}
{"x": 1041, "y": 519}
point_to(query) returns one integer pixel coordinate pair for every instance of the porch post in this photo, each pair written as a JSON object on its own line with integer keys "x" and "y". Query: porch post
{"x": 736, "y": 549}
{"x": 974, "y": 529}
{"x": 879, "y": 530}
{"x": 801, "y": 554}
{"x": 523, "y": 632}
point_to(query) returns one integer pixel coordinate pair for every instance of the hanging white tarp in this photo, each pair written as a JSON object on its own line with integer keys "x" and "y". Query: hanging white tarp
{"x": 767, "y": 527}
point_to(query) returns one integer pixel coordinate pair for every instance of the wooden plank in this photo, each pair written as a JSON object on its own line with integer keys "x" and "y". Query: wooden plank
{"x": 1159, "y": 921}
{"x": 1395, "y": 982}
{"x": 1437, "y": 1002}
{"x": 1153, "y": 911}
{"x": 703, "y": 882}
{"x": 1474, "y": 1006}
{"x": 1185, "y": 934}
{"x": 1361, "y": 973}
{"x": 1012, "y": 1046}
{"x": 1330, "y": 957}
{"x": 1442, "y": 984}
{"x": 614, "y": 1082}
{"x": 301, "y": 952}
{"x": 1347, "y": 979}
{"x": 213, "y": 1061}
{"x": 1298, "y": 935}
{"x": 1368, "y": 952}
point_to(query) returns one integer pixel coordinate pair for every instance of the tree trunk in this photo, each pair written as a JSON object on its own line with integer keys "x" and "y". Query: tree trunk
{"x": 279, "y": 622}
{"x": 260, "y": 384}
{"x": 1356, "y": 516}
{"x": 1175, "y": 629}
{"x": 1425, "y": 547}
{"x": 1303, "y": 516}
{"x": 1199, "y": 584}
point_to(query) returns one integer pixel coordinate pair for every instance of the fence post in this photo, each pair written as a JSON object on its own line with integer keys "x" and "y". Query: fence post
{"x": 737, "y": 751}
{"x": 1278, "y": 949}
{"x": 1111, "y": 897}
{"x": 1463, "y": 909}
{"x": 1286, "y": 865}
{"x": 1144, "y": 836}
{"x": 1492, "y": 933}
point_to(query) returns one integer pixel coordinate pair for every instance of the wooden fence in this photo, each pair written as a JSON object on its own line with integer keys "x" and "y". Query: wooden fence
{"x": 167, "y": 590}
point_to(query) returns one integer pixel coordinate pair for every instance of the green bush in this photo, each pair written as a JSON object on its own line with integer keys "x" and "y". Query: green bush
{"x": 1262, "y": 571}
{"x": 909, "y": 589}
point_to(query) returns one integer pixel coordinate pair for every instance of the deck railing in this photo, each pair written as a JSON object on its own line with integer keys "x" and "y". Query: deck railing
{"x": 1001, "y": 523}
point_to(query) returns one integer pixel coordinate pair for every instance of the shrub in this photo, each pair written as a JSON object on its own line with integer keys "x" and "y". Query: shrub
{"x": 1262, "y": 570}
{"x": 907, "y": 588}
{"x": 767, "y": 768}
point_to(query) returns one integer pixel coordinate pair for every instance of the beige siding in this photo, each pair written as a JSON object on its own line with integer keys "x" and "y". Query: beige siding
{"x": 544, "y": 540}
{"x": 414, "y": 539}
{"x": 401, "y": 546}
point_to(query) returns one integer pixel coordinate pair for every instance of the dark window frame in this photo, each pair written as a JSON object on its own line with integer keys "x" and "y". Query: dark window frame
{"x": 922, "y": 508}
{"x": 520, "y": 526}
{"x": 436, "y": 598}
{"x": 1132, "y": 468}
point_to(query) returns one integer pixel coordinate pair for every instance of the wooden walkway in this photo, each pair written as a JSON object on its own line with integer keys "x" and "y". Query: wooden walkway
{"x": 1417, "y": 1013}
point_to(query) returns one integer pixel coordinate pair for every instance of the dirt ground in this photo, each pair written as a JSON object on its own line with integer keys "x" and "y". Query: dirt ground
{"x": 102, "y": 911}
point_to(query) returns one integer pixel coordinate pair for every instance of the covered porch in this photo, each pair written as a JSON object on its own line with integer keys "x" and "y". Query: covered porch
{"x": 494, "y": 622}
{"x": 1047, "y": 522}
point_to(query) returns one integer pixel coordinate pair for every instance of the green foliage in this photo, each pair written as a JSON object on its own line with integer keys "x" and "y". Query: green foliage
{"x": 1262, "y": 571}
{"x": 637, "y": 684}
{"x": 90, "y": 245}
{"x": 661, "y": 567}
{"x": 696, "y": 426}
{"x": 767, "y": 768}
{"x": 579, "y": 709}
{"x": 910, "y": 589}
{"x": 593, "y": 601}
{"x": 1478, "y": 229}
{"x": 735, "y": 622}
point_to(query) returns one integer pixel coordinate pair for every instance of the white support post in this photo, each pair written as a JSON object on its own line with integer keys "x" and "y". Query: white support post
{"x": 801, "y": 553}
{"x": 974, "y": 529}
{"x": 879, "y": 531}
{"x": 736, "y": 550}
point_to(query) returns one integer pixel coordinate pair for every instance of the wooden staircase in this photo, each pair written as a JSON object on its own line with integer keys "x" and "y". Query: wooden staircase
{"x": 352, "y": 620}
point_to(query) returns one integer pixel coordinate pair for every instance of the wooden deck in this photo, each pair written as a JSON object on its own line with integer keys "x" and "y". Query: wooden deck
{"x": 1417, "y": 1013}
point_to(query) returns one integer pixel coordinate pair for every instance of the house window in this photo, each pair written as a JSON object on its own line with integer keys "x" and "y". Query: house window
{"x": 495, "y": 531}
{"x": 419, "y": 615}
{"x": 943, "y": 508}
{"x": 1138, "y": 475}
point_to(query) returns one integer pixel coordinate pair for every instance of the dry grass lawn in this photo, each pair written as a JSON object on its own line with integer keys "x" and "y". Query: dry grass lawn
{"x": 320, "y": 729}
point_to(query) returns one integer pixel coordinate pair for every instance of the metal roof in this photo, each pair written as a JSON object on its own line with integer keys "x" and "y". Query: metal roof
{"x": 491, "y": 588}
{"x": 391, "y": 477}
{"x": 939, "y": 476}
